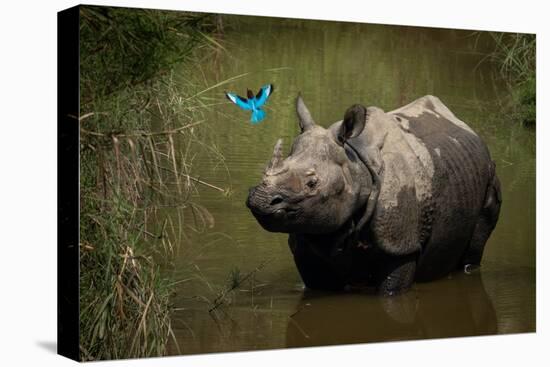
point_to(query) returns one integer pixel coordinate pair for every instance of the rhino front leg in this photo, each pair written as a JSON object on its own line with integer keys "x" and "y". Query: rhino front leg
{"x": 396, "y": 273}
{"x": 316, "y": 272}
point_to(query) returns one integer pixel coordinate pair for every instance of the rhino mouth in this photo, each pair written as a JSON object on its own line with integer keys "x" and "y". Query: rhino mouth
{"x": 276, "y": 213}
{"x": 278, "y": 221}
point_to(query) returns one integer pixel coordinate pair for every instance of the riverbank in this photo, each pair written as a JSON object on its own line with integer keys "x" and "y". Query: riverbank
{"x": 138, "y": 125}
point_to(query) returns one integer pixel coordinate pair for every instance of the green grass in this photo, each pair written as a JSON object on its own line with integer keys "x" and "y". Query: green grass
{"x": 515, "y": 53}
{"x": 139, "y": 127}
{"x": 122, "y": 47}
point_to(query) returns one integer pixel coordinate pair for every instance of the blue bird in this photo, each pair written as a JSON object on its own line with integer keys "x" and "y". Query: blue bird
{"x": 253, "y": 103}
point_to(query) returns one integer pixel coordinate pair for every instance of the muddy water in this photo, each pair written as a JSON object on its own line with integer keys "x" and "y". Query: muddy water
{"x": 335, "y": 65}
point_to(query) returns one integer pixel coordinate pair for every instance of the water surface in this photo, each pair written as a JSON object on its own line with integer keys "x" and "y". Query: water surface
{"x": 335, "y": 65}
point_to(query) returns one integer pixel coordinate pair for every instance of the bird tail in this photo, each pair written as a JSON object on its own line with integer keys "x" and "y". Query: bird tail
{"x": 257, "y": 116}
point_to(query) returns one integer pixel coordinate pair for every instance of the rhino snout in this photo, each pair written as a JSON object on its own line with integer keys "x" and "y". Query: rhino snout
{"x": 261, "y": 202}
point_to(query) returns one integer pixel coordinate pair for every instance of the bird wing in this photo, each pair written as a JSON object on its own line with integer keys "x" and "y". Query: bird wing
{"x": 263, "y": 94}
{"x": 239, "y": 101}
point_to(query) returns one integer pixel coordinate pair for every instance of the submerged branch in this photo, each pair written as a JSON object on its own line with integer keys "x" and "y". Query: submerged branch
{"x": 220, "y": 299}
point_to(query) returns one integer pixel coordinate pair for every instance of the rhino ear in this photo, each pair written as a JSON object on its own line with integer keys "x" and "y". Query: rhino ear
{"x": 304, "y": 116}
{"x": 353, "y": 124}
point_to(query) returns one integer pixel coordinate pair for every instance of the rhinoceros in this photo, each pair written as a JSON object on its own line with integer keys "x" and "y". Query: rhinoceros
{"x": 381, "y": 199}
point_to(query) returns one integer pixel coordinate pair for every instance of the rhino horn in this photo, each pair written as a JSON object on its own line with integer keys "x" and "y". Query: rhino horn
{"x": 277, "y": 158}
{"x": 304, "y": 116}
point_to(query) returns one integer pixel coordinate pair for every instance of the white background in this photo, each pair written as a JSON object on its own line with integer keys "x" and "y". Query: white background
{"x": 28, "y": 183}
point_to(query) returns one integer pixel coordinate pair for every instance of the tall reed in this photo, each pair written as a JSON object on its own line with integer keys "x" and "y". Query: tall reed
{"x": 139, "y": 125}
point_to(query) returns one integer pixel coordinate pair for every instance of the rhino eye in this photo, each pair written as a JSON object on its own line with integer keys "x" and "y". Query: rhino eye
{"x": 311, "y": 183}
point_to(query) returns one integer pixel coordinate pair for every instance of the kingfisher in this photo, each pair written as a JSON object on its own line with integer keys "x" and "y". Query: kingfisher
{"x": 253, "y": 103}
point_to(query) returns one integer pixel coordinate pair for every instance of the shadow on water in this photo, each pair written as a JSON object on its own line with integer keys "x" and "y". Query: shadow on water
{"x": 457, "y": 307}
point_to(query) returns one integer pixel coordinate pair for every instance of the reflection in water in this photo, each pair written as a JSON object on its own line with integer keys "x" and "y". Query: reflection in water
{"x": 390, "y": 66}
{"x": 447, "y": 308}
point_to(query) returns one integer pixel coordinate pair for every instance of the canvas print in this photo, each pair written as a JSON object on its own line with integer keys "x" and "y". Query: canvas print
{"x": 250, "y": 183}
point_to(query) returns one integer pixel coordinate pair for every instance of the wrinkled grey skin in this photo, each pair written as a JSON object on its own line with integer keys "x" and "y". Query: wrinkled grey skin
{"x": 381, "y": 199}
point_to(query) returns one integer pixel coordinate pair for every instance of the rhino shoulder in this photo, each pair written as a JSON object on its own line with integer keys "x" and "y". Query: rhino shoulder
{"x": 407, "y": 175}
{"x": 388, "y": 136}
{"x": 395, "y": 222}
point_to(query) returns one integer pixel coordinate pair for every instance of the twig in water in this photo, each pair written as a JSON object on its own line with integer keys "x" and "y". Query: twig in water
{"x": 219, "y": 300}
